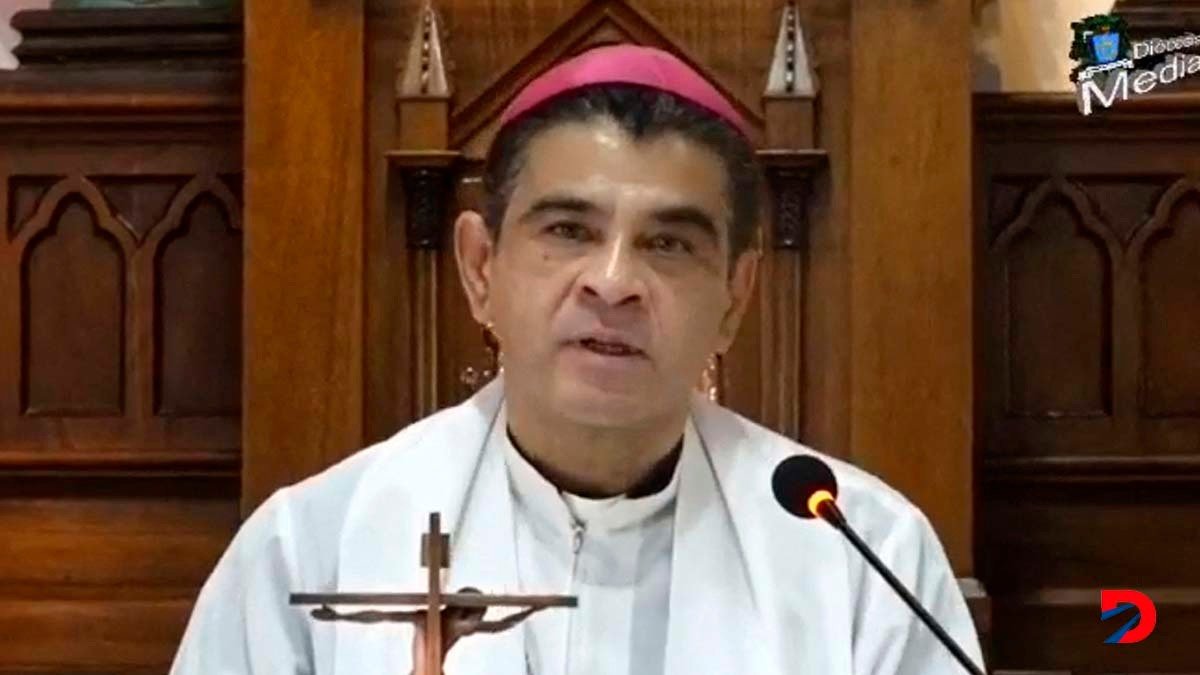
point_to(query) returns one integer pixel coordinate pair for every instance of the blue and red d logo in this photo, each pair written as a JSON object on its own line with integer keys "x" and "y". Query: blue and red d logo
{"x": 1140, "y": 624}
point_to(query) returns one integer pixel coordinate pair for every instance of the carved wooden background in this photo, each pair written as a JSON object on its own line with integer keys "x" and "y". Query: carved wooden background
{"x": 120, "y": 154}
{"x": 1089, "y": 234}
{"x": 121, "y": 440}
{"x": 120, "y": 334}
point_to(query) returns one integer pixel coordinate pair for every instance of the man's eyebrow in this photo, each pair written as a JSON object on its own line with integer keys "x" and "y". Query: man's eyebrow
{"x": 691, "y": 216}
{"x": 567, "y": 203}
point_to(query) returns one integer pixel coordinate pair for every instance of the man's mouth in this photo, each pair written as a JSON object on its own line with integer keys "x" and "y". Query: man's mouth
{"x": 609, "y": 348}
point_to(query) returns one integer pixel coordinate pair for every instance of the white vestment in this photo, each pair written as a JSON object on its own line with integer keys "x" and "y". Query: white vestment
{"x": 613, "y": 554}
{"x": 752, "y": 588}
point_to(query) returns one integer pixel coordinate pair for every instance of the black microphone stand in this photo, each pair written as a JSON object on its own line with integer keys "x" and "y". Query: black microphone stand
{"x": 831, "y": 514}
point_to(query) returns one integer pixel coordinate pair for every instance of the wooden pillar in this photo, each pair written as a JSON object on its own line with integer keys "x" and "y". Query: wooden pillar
{"x": 792, "y": 163}
{"x": 424, "y": 165}
{"x": 304, "y": 162}
{"x": 911, "y": 370}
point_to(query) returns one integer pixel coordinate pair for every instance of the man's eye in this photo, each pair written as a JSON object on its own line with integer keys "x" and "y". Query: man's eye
{"x": 572, "y": 231}
{"x": 664, "y": 243}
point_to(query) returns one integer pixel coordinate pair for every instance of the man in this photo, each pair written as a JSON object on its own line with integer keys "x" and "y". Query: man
{"x": 616, "y": 254}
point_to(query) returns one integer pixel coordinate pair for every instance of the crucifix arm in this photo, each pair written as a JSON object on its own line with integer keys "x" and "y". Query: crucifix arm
{"x": 460, "y": 624}
{"x": 326, "y": 613}
{"x": 501, "y": 625}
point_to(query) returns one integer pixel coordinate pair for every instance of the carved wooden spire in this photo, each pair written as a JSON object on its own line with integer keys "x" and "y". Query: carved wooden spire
{"x": 426, "y": 168}
{"x": 789, "y": 101}
{"x": 421, "y": 151}
{"x": 1159, "y": 18}
{"x": 423, "y": 89}
{"x": 790, "y": 156}
{"x": 423, "y": 72}
{"x": 791, "y": 74}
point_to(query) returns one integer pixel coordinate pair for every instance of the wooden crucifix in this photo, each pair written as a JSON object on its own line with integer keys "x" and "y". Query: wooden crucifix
{"x": 433, "y": 603}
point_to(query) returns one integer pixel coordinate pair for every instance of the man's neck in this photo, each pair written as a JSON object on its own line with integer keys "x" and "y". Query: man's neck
{"x": 598, "y": 462}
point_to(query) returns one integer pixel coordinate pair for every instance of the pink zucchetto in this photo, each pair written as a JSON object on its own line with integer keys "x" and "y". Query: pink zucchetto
{"x": 625, "y": 64}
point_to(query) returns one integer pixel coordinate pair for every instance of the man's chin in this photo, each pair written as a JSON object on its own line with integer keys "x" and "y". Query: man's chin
{"x": 606, "y": 407}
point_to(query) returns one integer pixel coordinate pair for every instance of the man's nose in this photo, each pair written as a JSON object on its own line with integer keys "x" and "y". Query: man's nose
{"x": 613, "y": 275}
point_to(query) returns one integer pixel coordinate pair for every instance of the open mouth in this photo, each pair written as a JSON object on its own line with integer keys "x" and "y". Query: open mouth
{"x": 609, "y": 348}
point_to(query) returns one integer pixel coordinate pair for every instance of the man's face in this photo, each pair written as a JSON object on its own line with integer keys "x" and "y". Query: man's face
{"x": 610, "y": 285}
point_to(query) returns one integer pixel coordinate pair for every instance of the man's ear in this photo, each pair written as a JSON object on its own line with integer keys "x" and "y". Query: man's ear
{"x": 474, "y": 250}
{"x": 741, "y": 289}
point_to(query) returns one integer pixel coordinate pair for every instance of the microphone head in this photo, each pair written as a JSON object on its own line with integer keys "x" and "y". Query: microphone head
{"x": 798, "y": 479}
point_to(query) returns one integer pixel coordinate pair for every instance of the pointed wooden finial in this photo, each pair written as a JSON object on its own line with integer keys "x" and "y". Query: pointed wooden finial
{"x": 790, "y": 156}
{"x": 791, "y": 74}
{"x": 423, "y": 72}
{"x": 422, "y": 88}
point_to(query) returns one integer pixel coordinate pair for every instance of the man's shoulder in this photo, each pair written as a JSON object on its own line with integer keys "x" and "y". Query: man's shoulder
{"x": 865, "y": 498}
{"x": 335, "y": 485}
{"x": 310, "y": 517}
{"x": 405, "y": 447}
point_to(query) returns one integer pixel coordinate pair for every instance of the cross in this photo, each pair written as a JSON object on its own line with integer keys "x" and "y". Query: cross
{"x": 435, "y": 556}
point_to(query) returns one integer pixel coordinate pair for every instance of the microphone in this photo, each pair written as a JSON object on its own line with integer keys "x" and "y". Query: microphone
{"x": 806, "y": 488}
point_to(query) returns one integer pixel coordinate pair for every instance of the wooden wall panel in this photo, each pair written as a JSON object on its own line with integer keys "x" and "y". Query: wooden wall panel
{"x": 199, "y": 323}
{"x": 911, "y": 404}
{"x": 100, "y": 577}
{"x": 1053, "y": 280}
{"x": 1075, "y": 535}
{"x": 132, "y": 633}
{"x": 825, "y": 350}
{"x": 88, "y": 298}
{"x": 72, "y": 279}
{"x": 1091, "y": 451}
{"x": 120, "y": 338}
{"x": 1079, "y": 635}
{"x": 1170, "y": 295}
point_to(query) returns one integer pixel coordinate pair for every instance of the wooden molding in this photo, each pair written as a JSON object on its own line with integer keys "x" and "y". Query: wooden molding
{"x": 1087, "y": 597}
{"x": 1092, "y": 469}
{"x": 429, "y": 193}
{"x": 21, "y": 105}
{"x": 144, "y": 36}
{"x": 428, "y": 180}
{"x": 1154, "y": 18}
{"x": 789, "y": 176}
{"x": 80, "y": 185}
{"x": 138, "y": 69}
{"x": 1055, "y": 117}
{"x": 107, "y": 462}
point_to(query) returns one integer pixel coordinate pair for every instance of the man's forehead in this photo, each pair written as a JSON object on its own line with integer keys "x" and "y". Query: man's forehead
{"x": 598, "y": 160}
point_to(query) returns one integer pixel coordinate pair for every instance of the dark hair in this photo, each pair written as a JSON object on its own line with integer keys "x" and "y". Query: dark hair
{"x": 643, "y": 113}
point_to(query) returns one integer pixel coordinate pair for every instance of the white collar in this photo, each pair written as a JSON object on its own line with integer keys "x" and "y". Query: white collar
{"x": 561, "y": 509}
